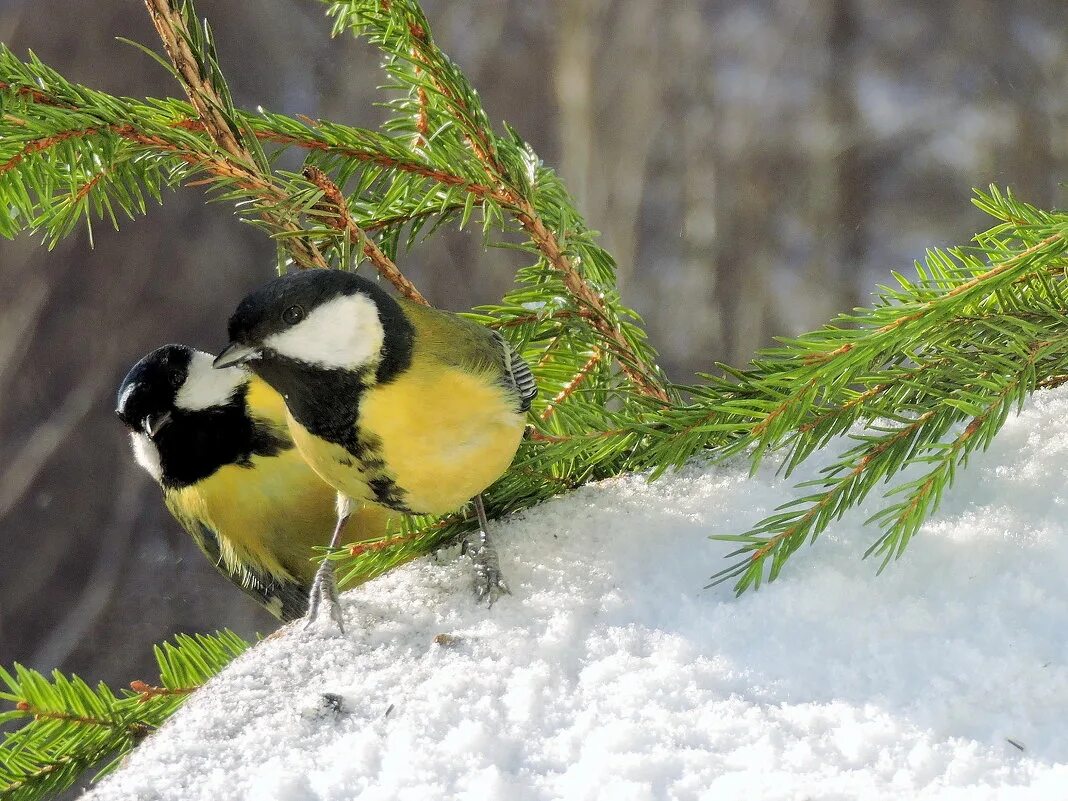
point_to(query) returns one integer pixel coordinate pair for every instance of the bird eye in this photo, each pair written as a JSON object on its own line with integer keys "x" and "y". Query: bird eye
{"x": 293, "y": 315}
{"x": 175, "y": 377}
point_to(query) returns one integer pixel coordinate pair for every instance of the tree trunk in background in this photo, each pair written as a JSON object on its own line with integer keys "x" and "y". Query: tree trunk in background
{"x": 579, "y": 24}
{"x": 694, "y": 288}
{"x": 836, "y": 188}
{"x": 607, "y": 120}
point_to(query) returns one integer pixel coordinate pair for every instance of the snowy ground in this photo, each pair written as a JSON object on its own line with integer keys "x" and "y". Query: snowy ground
{"x": 611, "y": 674}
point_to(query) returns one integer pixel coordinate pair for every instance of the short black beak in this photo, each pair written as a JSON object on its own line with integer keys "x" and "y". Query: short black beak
{"x": 235, "y": 353}
{"x": 153, "y": 423}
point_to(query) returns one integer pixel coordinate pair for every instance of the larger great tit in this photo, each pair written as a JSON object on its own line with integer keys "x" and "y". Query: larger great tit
{"x": 217, "y": 443}
{"x": 391, "y": 402}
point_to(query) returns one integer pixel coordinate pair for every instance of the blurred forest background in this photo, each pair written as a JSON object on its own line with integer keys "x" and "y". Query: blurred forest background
{"x": 754, "y": 165}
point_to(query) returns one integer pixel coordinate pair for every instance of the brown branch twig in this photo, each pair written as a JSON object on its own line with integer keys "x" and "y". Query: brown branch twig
{"x": 342, "y": 220}
{"x": 147, "y": 692}
{"x": 360, "y": 548}
{"x": 585, "y": 296}
{"x": 527, "y": 216}
{"x": 44, "y": 143}
{"x": 87, "y": 187}
{"x": 136, "y": 729}
{"x": 400, "y": 219}
{"x": 29, "y": 778}
{"x": 1052, "y": 382}
{"x": 563, "y": 314}
{"x": 534, "y": 435}
{"x": 171, "y": 27}
{"x": 480, "y": 144}
{"x": 572, "y": 385}
{"x": 34, "y": 94}
{"x": 422, "y": 119}
{"x": 170, "y": 24}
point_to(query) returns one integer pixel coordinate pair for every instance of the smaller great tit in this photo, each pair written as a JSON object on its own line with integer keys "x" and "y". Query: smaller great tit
{"x": 216, "y": 441}
{"x": 391, "y": 402}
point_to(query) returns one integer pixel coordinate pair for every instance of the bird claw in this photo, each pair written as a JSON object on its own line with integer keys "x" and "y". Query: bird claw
{"x": 489, "y": 583}
{"x": 324, "y": 591}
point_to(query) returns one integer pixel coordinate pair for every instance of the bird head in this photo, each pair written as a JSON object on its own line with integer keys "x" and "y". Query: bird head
{"x": 170, "y": 385}
{"x": 325, "y": 319}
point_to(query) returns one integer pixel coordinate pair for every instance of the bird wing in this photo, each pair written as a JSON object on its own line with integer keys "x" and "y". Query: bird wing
{"x": 453, "y": 339}
{"x": 518, "y": 372}
{"x": 284, "y": 598}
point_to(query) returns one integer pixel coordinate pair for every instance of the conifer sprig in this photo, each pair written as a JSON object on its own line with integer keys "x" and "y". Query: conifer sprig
{"x": 930, "y": 373}
{"x": 73, "y": 727}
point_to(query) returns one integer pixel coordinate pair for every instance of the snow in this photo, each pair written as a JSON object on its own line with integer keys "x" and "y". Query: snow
{"x": 611, "y": 673}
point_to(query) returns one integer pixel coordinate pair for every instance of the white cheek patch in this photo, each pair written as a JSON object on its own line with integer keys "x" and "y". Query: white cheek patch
{"x": 205, "y": 386}
{"x": 146, "y": 454}
{"x": 343, "y": 333}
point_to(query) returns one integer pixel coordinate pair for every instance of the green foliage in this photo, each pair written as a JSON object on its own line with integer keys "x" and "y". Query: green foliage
{"x": 74, "y": 726}
{"x": 907, "y": 389}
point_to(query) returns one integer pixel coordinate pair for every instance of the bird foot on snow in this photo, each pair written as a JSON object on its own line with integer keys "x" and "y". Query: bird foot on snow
{"x": 324, "y": 593}
{"x": 489, "y": 584}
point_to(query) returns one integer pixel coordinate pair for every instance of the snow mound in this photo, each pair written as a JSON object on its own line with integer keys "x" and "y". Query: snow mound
{"x": 610, "y": 674}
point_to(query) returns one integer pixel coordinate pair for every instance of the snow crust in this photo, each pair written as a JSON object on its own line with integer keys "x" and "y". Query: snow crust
{"x": 610, "y": 674}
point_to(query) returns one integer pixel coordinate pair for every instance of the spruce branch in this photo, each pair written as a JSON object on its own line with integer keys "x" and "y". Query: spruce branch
{"x": 919, "y": 380}
{"x": 342, "y": 219}
{"x": 72, "y": 727}
{"x": 978, "y": 331}
{"x": 401, "y": 29}
{"x": 191, "y": 51}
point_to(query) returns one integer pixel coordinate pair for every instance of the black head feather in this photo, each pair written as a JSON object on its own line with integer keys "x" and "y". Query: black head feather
{"x": 286, "y": 300}
{"x": 324, "y": 400}
{"x": 151, "y": 386}
{"x": 192, "y": 443}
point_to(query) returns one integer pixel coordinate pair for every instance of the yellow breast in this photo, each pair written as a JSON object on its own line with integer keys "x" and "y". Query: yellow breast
{"x": 443, "y": 434}
{"x": 446, "y": 434}
{"x": 271, "y": 516}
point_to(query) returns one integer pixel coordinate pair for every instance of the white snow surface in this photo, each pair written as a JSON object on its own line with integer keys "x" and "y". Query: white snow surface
{"x": 611, "y": 674}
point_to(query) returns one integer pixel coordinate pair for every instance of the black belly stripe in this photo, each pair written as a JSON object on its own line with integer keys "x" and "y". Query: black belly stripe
{"x": 327, "y": 404}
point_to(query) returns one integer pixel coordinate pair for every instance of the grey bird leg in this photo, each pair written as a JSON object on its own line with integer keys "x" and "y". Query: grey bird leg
{"x": 489, "y": 583}
{"x": 324, "y": 586}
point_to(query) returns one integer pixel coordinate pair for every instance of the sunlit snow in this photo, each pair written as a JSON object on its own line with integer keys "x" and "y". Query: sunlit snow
{"x": 610, "y": 674}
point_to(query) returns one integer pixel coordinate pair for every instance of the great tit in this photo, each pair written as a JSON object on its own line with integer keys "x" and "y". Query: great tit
{"x": 217, "y": 443}
{"x": 391, "y": 402}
